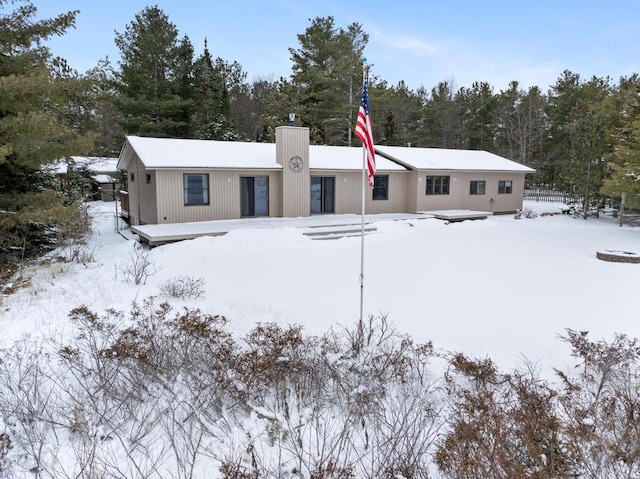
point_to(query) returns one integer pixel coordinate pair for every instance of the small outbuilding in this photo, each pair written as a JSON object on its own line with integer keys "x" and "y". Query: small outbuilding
{"x": 97, "y": 176}
{"x": 179, "y": 180}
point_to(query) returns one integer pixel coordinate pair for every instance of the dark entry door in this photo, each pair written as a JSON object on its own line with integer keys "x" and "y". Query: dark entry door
{"x": 322, "y": 194}
{"x": 255, "y": 195}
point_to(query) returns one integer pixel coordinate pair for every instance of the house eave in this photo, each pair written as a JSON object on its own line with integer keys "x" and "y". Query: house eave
{"x": 213, "y": 168}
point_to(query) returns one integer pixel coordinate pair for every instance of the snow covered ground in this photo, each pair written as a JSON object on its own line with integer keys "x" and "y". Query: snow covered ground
{"x": 500, "y": 287}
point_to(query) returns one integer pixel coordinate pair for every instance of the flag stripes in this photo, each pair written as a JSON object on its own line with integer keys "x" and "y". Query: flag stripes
{"x": 364, "y": 132}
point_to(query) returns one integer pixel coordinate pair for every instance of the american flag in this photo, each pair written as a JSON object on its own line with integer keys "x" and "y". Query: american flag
{"x": 363, "y": 131}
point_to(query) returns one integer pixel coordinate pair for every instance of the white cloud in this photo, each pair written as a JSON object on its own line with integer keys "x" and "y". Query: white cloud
{"x": 408, "y": 43}
{"x": 416, "y": 45}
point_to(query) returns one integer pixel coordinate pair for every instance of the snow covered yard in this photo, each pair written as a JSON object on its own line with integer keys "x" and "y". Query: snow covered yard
{"x": 171, "y": 393}
{"x": 499, "y": 287}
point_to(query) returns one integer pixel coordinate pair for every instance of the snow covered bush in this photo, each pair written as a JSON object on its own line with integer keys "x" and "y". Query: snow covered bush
{"x": 525, "y": 213}
{"x": 601, "y": 406}
{"x": 500, "y": 425}
{"x": 5, "y": 447}
{"x": 78, "y": 252}
{"x": 140, "y": 265}
{"x": 71, "y": 236}
{"x": 29, "y": 405}
{"x": 164, "y": 393}
{"x": 183, "y": 287}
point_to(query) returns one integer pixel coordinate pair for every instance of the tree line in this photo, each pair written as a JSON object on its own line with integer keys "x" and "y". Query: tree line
{"x": 581, "y": 135}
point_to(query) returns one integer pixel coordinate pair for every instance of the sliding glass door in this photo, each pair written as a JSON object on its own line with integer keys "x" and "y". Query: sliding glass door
{"x": 255, "y": 195}
{"x": 322, "y": 194}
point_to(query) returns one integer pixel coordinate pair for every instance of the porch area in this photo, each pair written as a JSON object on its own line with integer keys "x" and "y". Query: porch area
{"x": 459, "y": 215}
{"x": 316, "y": 227}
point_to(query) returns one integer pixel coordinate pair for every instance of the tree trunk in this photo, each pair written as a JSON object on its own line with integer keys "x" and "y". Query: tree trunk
{"x": 585, "y": 205}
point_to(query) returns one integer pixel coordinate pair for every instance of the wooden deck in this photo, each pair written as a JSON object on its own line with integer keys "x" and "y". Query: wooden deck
{"x": 338, "y": 231}
{"x": 459, "y": 215}
{"x": 316, "y": 227}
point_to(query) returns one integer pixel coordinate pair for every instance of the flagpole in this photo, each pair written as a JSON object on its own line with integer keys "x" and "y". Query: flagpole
{"x": 364, "y": 178}
{"x": 364, "y": 131}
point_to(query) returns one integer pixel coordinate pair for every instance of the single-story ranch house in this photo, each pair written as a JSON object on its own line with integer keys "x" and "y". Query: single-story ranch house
{"x": 179, "y": 181}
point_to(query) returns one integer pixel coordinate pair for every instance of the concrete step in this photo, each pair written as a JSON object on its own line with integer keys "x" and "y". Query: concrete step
{"x": 337, "y": 231}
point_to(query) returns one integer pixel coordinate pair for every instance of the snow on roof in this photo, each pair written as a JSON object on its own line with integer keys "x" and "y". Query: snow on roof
{"x": 180, "y": 153}
{"x": 345, "y": 158}
{"x": 173, "y": 153}
{"x": 447, "y": 159}
{"x": 95, "y": 164}
{"x": 183, "y": 153}
{"x": 57, "y": 168}
{"x": 103, "y": 178}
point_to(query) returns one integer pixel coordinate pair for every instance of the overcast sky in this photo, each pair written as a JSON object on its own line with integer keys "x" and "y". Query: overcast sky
{"x": 421, "y": 42}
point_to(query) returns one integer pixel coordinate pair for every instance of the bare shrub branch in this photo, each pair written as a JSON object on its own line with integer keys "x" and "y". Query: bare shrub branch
{"x": 183, "y": 287}
{"x": 140, "y": 265}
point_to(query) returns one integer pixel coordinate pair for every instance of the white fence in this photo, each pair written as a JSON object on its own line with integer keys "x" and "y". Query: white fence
{"x": 549, "y": 196}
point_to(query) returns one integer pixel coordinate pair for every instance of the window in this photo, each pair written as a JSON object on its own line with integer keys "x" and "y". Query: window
{"x": 148, "y": 179}
{"x": 381, "y": 187}
{"x": 196, "y": 189}
{"x": 437, "y": 185}
{"x": 132, "y": 177}
{"x": 477, "y": 188}
{"x": 505, "y": 187}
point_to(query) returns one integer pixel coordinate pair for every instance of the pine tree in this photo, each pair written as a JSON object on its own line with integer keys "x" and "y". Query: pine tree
{"x": 389, "y": 129}
{"x": 520, "y": 125}
{"x": 33, "y": 129}
{"x": 444, "y": 117}
{"x": 327, "y": 69}
{"x": 241, "y": 116}
{"x": 99, "y": 103}
{"x": 211, "y": 116}
{"x": 623, "y": 167}
{"x": 88, "y": 106}
{"x": 479, "y": 105}
{"x": 154, "y": 84}
{"x": 585, "y": 166}
{"x": 399, "y": 111}
{"x": 578, "y": 142}
{"x": 273, "y": 102}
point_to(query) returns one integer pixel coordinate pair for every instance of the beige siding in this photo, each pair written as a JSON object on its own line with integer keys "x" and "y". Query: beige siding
{"x": 107, "y": 191}
{"x": 460, "y": 198}
{"x": 161, "y": 199}
{"x": 148, "y": 197}
{"x": 348, "y": 192}
{"x": 295, "y": 191}
{"x": 452, "y": 201}
{"x": 134, "y": 215}
{"x": 413, "y": 191}
{"x": 224, "y": 195}
{"x": 491, "y": 200}
{"x": 142, "y": 194}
